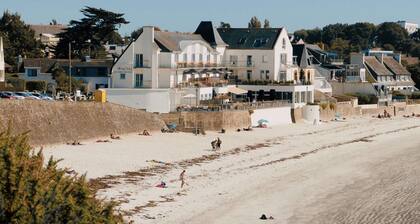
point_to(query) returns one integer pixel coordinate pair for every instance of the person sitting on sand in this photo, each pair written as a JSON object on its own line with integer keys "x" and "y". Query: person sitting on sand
{"x": 223, "y": 131}
{"x": 115, "y": 136}
{"x": 146, "y": 133}
{"x": 213, "y": 144}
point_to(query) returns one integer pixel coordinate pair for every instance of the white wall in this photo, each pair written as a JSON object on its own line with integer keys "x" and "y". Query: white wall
{"x": 311, "y": 113}
{"x": 258, "y": 63}
{"x": 275, "y": 116}
{"x": 151, "y": 100}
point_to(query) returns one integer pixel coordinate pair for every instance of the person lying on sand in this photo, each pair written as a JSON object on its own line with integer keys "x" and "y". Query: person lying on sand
{"x": 75, "y": 142}
{"x": 115, "y": 136}
{"x": 161, "y": 185}
{"x": 146, "y": 133}
{"x": 104, "y": 141}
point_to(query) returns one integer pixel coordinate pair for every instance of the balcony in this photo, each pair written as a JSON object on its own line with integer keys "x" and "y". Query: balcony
{"x": 198, "y": 65}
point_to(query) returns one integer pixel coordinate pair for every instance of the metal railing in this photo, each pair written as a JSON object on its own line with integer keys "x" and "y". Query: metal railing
{"x": 223, "y": 64}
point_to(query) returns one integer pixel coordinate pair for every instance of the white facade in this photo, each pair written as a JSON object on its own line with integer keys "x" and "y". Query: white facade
{"x": 2, "y": 65}
{"x": 410, "y": 27}
{"x": 167, "y": 60}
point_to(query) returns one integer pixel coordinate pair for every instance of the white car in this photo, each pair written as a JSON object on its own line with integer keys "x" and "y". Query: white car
{"x": 27, "y": 95}
{"x": 42, "y": 96}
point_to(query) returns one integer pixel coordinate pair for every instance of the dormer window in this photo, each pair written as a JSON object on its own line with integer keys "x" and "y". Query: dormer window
{"x": 260, "y": 42}
{"x": 242, "y": 40}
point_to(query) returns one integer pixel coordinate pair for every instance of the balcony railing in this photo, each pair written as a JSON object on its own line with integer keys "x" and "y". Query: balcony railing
{"x": 269, "y": 82}
{"x": 225, "y": 64}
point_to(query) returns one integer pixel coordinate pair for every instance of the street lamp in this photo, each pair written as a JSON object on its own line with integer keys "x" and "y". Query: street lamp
{"x": 89, "y": 41}
{"x": 70, "y": 65}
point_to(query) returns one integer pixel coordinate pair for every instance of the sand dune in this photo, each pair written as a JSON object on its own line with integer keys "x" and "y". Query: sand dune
{"x": 360, "y": 171}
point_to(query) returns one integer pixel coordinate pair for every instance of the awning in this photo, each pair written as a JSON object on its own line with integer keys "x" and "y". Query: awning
{"x": 236, "y": 90}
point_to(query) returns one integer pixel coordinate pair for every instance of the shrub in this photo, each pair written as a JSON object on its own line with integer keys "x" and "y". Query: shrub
{"x": 332, "y": 106}
{"x": 32, "y": 192}
{"x": 36, "y": 85}
{"x": 324, "y": 106}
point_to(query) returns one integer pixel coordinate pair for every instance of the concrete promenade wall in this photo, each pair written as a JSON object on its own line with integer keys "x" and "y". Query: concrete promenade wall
{"x": 275, "y": 116}
{"x": 210, "y": 121}
{"x": 59, "y": 122}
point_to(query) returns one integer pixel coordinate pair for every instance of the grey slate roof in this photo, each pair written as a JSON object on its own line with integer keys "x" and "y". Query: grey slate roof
{"x": 394, "y": 66}
{"x": 210, "y": 34}
{"x": 376, "y": 66}
{"x": 250, "y": 38}
{"x": 170, "y": 40}
{"x": 302, "y": 55}
{"x": 47, "y": 29}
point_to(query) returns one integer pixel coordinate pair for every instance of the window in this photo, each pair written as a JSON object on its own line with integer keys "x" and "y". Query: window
{"x": 249, "y": 60}
{"x": 242, "y": 40}
{"x": 283, "y": 44}
{"x": 122, "y": 76}
{"x": 249, "y": 74}
{"x": 185, "y": 58}
{"x": 233, "y": 59}
{"x": 262, "y": 73}
{"x": 200, "y": 57}
{"x": 193, "y": 58}
{"x": 208, "y": 58}
{"x": 260, "y": 42}
{"x": 283, "y": 75}
{"x": 267, "y": 74}
{"x": 264, "y": 59}
{"x": 138, "y": 61}
{"x": 32, "y": 72}
{"x": 138, "y": 81}
{"x": 283, "y": 59}
{"x": 112, "y": 48}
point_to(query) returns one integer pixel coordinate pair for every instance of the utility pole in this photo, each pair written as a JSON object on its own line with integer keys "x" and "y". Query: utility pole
{"x": 70, "y": 67}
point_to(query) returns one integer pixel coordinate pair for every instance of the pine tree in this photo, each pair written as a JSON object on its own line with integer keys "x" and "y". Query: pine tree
{"x": 254, "y": 23}
{"x": 31, "y": 192}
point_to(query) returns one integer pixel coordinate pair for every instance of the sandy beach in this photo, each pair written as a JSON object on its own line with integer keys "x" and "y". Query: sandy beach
{"x": 364, "y": 170}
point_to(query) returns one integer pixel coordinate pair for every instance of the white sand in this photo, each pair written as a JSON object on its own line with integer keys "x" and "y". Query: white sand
{"x": 359, "y": 171}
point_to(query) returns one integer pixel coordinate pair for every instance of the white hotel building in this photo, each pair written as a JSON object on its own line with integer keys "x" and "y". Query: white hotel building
{"x": 158, "y": 61}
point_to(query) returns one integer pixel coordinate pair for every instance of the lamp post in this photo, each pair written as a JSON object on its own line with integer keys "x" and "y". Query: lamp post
{"x": 70, "y": 67}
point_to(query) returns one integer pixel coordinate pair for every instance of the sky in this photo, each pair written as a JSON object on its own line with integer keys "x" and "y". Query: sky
{"x": 185, "y": 15}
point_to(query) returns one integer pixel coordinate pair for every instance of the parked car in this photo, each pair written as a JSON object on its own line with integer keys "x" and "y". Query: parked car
{"x": 6, "y": 95}
{"x": 16, "y": 96}
{"x": 28, "y": 95}
{"x": 42, "y": 96}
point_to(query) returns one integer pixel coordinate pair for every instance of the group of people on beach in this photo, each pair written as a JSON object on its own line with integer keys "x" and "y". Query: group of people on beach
{"x": 385, "y": 115}
{"x": 216, "y": 144}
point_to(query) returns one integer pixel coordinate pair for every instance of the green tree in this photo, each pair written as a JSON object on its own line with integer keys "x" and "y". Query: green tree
{"x": 18, "y": 38}
{"x": 301, "y": 35}
{"x": 340, "y": 46}
{"x": 32, "y": 192}
{"x": 332, "y": 32}
{"x": 91, "y": 32}
{"x": 254, "y": 23}
{"x": 63, "y": 81}
{"x": 415, "y": 73}
{"x": 392, "y": 34}
{"x": 224, "y": 25}
{"x": 267, "y": 23}
{"x": 360, "y": 35}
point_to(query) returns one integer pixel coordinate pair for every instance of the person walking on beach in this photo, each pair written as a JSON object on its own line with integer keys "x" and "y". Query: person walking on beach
{"x": 182, "y": 178}
{"x": 218, "y": 143}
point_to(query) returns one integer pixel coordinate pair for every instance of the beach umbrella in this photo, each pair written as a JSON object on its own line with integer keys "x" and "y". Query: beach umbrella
{"x": 262, "y": 121}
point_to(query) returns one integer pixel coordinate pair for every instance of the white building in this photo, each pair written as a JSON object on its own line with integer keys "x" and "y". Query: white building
{"x": 2, "y": 65}
{"x": 158, "y": 59}
{"x": 410, "y": 27}
{"x": 115, "y": 49}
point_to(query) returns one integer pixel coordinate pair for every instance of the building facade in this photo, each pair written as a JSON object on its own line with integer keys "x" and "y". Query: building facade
{"x": 158, "y": 59}
{"x": 94, "y": 73}
{"x": 410, "y": 27}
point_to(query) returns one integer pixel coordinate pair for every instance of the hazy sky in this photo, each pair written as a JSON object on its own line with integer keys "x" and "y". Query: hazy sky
{"x": 184, "y": 15}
